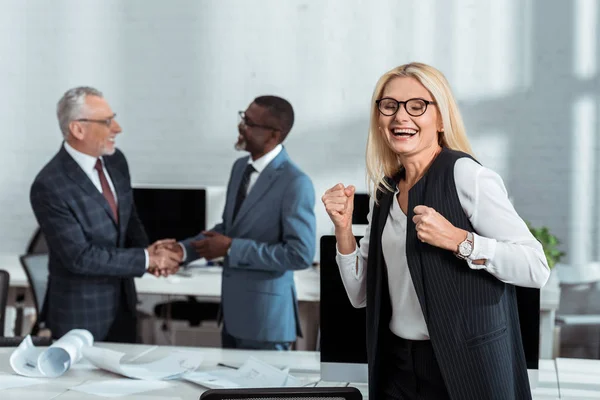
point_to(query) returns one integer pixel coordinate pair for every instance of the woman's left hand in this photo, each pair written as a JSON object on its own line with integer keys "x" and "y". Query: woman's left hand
{"x": 434, "y": 229}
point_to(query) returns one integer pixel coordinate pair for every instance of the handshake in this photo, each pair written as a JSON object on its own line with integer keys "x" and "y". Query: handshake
{"x": 165, "y": 255}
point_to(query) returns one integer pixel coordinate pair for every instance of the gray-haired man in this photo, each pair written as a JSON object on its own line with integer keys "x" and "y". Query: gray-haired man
{"x": 83, "y": 202}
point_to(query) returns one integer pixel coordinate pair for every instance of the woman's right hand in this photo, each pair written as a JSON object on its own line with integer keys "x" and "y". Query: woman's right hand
{"x": 339, "y": 204}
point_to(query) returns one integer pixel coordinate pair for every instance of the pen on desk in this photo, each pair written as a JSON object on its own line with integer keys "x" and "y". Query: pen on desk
{"x": 226, "y": 365}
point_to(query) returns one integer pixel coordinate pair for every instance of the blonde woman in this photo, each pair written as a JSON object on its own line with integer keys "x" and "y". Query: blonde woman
{"x": 443, "y": 252}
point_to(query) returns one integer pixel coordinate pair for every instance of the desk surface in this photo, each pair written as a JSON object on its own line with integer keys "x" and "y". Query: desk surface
{"x": 576, "y": 379}
{"x": 203, "y": 282}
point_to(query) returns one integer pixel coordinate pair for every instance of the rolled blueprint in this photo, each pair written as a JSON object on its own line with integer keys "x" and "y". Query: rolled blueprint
{"x": 28, "y": 360}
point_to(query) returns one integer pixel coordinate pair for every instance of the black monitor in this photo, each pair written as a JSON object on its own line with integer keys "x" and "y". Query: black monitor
{"x": 176, "y": 213}
{"x": 343, "y": 327}
{"x": 528, "y": 303}
{"x": 361, "y": 209}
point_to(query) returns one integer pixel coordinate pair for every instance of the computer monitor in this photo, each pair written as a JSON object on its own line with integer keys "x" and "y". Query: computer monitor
{"x": 343, "y": 327}
{"x": 177, "y": 213}
{"x": 361, "y": 209}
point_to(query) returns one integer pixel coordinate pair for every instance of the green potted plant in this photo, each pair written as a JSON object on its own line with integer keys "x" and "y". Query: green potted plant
{"x": 550, "y": 293}
{"x": 549, "y": 243}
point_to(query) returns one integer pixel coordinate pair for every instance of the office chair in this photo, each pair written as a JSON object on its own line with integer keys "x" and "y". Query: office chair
{"x": 36, "y": 269}
{"x": 37, "y": 244}
{"x": 12, "y": 341}
{"x": 312, "y": 393}
{"x": 4, "y": 278}
{"x": 579, "y": 313}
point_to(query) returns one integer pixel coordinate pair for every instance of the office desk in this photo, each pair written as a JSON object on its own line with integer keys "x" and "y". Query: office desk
{"x": 202, "y": 282}
{"x": 561, "y": 378}
{"x": 308, "y": 362}
{"x": 205, "y": 283}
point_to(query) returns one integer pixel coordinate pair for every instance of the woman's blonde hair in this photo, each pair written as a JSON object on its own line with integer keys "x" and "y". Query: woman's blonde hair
{"x": 381, "y": 160}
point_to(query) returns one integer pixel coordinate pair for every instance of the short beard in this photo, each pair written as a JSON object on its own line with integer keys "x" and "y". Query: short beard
{"x": 106, "y": 152}
{"x": 240, "y": 146}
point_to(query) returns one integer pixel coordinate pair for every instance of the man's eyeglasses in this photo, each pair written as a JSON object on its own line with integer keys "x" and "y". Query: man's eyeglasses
{"x": 244, "y": 121}
{"x": 107, "y": 121}
{"x": 414, "y": 107}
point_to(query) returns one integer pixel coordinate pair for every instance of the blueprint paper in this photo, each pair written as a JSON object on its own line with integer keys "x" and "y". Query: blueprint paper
{"x": 30, "y": 361}
{"x": 173, "y": 366}
{"x": 252, "y": 374}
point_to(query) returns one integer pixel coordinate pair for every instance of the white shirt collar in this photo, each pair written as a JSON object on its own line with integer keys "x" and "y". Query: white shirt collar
{"x": 85, "y": 161}
{"x": 262, "y": 162}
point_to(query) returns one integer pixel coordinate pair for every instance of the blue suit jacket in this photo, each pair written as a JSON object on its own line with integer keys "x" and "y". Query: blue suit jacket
{"x": 273, "y": 234}
{"x": 92, "y": 261}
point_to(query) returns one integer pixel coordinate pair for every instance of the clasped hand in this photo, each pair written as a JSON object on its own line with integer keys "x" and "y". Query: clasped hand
{"x": 213, "y": 245}
{"x": 165, "y": 256}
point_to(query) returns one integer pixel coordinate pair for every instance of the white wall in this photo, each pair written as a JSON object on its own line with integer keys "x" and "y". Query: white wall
{"x": 177, "y": 72}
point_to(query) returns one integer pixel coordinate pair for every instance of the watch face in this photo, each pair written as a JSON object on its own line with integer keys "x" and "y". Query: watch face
{"x": 465, "y": 249}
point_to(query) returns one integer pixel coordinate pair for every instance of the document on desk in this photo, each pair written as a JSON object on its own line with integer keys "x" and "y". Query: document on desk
{"x": 253, "y": 373}
{"x": 173, "y": 366}
{"x": 28, "y": 360}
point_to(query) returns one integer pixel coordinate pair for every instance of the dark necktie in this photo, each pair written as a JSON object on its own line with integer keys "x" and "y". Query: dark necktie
{"x": 108, "y": 194}
{"x": 243, "y": 189}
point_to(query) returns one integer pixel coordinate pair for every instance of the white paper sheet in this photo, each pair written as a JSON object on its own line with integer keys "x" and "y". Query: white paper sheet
{"x": 173, "y": 366}
{"x": 13, "y": 381}
{"x": 27, "y": 360}
{"x": 119, "y": 387}
{"x": 253, "y": 373}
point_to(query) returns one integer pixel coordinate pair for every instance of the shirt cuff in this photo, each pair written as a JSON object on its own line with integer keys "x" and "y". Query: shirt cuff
{"x": 147, "y": 259}
{"x": 349, "y": 262}
{"x": 184, "y": 257}
{"x": 483, "y": 249}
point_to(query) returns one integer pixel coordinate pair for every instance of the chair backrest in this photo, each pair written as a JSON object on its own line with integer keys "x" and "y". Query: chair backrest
{"x": 312, "y": 393}
{"x": 37, "y": 244}
{"x": 36, "y": 269}
{"x": 4, "y": 278}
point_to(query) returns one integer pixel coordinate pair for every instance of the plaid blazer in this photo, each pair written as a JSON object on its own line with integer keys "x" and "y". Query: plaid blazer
{"x": 92, "y": 259}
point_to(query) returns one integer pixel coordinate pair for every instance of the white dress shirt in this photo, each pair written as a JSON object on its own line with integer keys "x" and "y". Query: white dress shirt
{"x": 259, "y": 165}
{"x": 88, "y": 165}
{"x": 501, "y": 237}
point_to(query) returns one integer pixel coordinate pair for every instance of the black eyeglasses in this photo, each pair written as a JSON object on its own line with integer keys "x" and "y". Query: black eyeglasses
{"x": 107, "y": 121}
{"x": 414, "y": 107}
{"x": 244, "y": 121}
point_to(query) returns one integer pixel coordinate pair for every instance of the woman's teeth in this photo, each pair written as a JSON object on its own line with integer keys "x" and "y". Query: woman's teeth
{"x": 404, "y": 132}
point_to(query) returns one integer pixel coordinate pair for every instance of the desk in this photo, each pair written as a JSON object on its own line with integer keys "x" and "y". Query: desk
{"x": 581, "y": 378}
{"x": 202, "y": 282}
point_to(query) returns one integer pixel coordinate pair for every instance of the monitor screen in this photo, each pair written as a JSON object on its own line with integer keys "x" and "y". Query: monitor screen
{"x": 361, "y": 209}
{"x": 343, "y": 329}
{"x": 171, "y": 212}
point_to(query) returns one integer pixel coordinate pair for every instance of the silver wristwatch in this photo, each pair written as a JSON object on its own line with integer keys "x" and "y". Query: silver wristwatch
{"x": 465, "y": 248}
